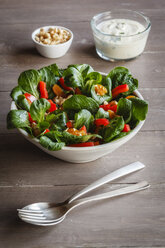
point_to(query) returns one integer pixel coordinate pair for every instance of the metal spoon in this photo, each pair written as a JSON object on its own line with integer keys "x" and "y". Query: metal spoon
{"x": 37, "y": 208}
{"x": 53, "y": 216}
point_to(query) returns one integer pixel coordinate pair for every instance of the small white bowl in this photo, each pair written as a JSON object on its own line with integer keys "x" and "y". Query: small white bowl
{"x": 52, "y": 51}
{"x": 84, "y": 154}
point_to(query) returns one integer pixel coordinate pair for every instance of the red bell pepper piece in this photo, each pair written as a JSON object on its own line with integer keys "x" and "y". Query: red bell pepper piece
{"x": 30, "y": 118}
{"x": 126, "y": 128}
{"x": 101, "y": 122}
{"x": 29, "y": 97}
{"x": 83, "y": 128}
{"x": 43, "y": 90}
{"x": 69, "y": 124}
{"x": 85, "y": 144}
{"x": 46, "y": 131}
{"x": 120, "y": 89}
{"x": 53, "y": 106}
{"x": 113, "y": 108}
{"x": 62, "y": 82}
{"x": 107, "y": 107}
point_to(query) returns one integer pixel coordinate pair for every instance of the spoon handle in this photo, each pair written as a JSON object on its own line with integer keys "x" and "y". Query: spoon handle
{"x": 122, "y": 191}
{"x": 108, "y": 178}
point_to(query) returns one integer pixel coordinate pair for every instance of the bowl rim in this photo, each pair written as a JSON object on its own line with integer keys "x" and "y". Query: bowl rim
{"x": 67, "y": 148}
{"x": 94, "y": 28}
{"x": 51, "y": 26}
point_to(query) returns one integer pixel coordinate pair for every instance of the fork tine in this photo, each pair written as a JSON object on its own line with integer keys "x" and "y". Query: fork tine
{"x": 45, "y": 223}
{"x": 31, "y": 214}
{"x": 32, "y": 217}
{"x": 32, "y": 220}
{"x": 28, "y": 211}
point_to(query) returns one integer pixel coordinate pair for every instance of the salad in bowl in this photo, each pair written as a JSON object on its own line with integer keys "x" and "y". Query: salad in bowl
{"x": 77, "y": 109}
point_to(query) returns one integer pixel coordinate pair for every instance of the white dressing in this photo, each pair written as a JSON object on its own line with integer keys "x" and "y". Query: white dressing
{"x": 121, "y": 27}
{"x": 120, "y": 39}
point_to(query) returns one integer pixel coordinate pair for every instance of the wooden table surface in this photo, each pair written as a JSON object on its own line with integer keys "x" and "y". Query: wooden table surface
{"x": 29, "y": 175}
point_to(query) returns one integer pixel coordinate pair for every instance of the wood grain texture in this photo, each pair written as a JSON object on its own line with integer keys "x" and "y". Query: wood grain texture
{"x": 29, "y": 175}
{"x": 125, "y": 220}
{"x": 11, "y": 42}
{"x": 148, "y": 68}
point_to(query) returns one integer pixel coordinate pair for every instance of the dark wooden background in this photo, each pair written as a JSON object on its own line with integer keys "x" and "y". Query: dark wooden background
{"x": 28, "y": 175}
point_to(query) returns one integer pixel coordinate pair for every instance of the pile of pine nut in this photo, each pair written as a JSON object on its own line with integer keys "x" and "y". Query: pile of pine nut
{"x": 53, "y": 36}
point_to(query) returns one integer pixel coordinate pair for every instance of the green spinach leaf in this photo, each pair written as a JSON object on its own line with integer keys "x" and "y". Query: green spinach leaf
{"x": 84, "y": 69}
{"x": 112, "y": 130}
{"x": 83, "y": 117}
{"x": 69, "y": 138}
{"x": 16, "y": 91}
{"x": 18, "y": 119}
{"x": 124, "y": 108}
{"x": 107, "y": 97}
{"x": 121, "y": 75}
{"x": 95, "y": 76}
{"x": 60, "y": 122}
{"x": 121, "y": 135}
{"x": 57, "y": 120}
{"x": 91, "y": 79}
{"x": 51, "y": 145}
{"x": 38, "y": 109}
{"x": 28, "y": 82}
{"x": 79, "y": 102}
{"x": 19, "y": 98}
{"x": 23, "y": 103}
{"x": 117, "y": 74}
{"x": 43, "y": 125}
{"x": 50, "y": 75}
{"x": 51, "y": 117}
{"x": 87, "y": 88}
{"x": 54, "y": 136}
{"x": 54, "y": 113}
{"x": 101, "y": 113}
{"x": 139, "y": 108}
{"x": 54, "y": 69}
{"x": 73, "y": 77}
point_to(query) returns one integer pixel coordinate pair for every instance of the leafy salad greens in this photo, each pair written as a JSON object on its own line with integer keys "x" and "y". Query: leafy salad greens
{"x": 76, "y": 106}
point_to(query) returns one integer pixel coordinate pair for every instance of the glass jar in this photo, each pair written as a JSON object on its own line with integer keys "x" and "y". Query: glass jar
{"x": 120, "y": 46}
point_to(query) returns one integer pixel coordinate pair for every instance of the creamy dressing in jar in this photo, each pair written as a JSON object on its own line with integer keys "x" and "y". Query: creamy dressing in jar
{"x": 120, "y": 39}
{"x": 121, "y": 27}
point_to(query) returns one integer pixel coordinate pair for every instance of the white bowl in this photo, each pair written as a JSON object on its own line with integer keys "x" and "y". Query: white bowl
{"x": 52, "y": 51}
{"x": 84, "y": 154}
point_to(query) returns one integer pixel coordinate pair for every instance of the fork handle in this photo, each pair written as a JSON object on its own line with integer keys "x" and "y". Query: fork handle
{"x": 122, "y": 191}
{"x": 108, "y": 178}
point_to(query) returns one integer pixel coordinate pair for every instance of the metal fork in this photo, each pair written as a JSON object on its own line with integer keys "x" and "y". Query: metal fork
{"x": 51, "y": 213}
